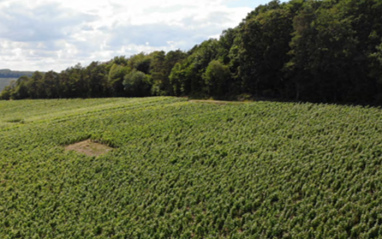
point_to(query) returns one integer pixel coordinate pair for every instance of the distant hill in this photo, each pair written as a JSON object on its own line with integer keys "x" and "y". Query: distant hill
{"x": 5, "y": 81}
{"x": 7, "y": 73}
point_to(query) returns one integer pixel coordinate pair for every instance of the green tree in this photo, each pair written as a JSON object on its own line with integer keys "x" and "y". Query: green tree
{"x": 376, "y": 70}
{"x": 140, "y": 62}
{"x": 96, "y": 76}
{"x": 137, "y": 84}
{"x": 158, "y": 74}
{"x": 8, "y": 92}
{"x": 324, "y": 54}
{"x": 20, "y": 90}
{"x": 177, "y": 78}
{"x": 265, "y": 37}
{"x": 35, "y": 86}
{"x": 216, "y": 78}
{"x": 187, "y": 76}
{"x": 51, "y": 84}
{"x": 115, "y": 79}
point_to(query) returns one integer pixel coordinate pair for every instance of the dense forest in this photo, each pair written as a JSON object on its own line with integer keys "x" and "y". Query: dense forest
{"x": 304, "y": 50}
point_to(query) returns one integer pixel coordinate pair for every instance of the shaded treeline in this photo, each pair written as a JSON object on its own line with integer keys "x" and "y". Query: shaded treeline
{"x": 309, "y": 50}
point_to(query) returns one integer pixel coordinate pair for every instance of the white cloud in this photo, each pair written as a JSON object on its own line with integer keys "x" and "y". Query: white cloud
{"x": 55, "y": 34}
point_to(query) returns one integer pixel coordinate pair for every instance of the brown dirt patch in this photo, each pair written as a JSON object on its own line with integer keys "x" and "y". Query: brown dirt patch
{"x": 89, "y": 148}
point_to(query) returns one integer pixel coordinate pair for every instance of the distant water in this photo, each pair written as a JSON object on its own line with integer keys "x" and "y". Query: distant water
{"x": 5, "y": 81}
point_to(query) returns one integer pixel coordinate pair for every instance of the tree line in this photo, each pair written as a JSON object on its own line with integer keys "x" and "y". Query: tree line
{"x": 305, "y": 50}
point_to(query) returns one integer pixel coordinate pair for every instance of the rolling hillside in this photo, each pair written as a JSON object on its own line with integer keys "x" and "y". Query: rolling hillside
{"x": 6, "y": 76}
{"x": 182, "y": 169}
{"x": 7, "y": 73}
{"x": 5, "y": 81}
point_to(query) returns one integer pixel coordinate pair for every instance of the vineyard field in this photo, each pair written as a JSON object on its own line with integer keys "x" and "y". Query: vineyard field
{"x": 190, "y": 169}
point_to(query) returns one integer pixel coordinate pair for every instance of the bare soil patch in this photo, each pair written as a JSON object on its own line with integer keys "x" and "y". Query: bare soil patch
{"x": 89, "y": 148}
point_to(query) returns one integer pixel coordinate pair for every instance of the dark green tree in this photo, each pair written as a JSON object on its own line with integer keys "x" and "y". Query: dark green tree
{"x": 35, "y": 85}
{"x": 115, "y": 79}
{"x": 20, "y": 90}
{"x": 217, "y": 77}
{"x": 137, "y": 84}
{"x": 158, "y": 73}
{"x": 177, "y": 79}
{"x": 96, "y": 77}
{"x": 51, "y": 84}
{"x": 265, "y": 37}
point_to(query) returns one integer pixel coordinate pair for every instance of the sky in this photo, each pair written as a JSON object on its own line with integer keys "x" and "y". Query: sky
{"x": 56, "y": 34}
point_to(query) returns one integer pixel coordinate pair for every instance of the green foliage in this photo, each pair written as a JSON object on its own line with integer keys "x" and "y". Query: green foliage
{"x": 182, "y": 169}
{"x": 137, "y": 84}
{"x": 160, "y": 70}
{"x": 116, "y": 77}
{"x": 216, "y": 78}
{"x": 265, "y": 43}
{"x": 301, "y": 50}
{"x": 8, "y": 91}
{"x": 187, "y": 76}
{"x": 96, "y": 78}
{"x": 140, "y": 62}
{"x": 177, "y": 78}
{"x": 158, "y": 73}
{"x": 5, "y": 82}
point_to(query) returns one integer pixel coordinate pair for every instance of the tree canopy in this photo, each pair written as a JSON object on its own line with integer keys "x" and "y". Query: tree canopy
{"x": 305, "y": 50}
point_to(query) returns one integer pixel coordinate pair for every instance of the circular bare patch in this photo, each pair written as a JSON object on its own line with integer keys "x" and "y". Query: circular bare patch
{"x": 89, "y": 148}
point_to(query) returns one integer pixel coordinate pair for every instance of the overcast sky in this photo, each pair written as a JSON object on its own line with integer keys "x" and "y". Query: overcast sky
{"x": 56, "y": 34}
